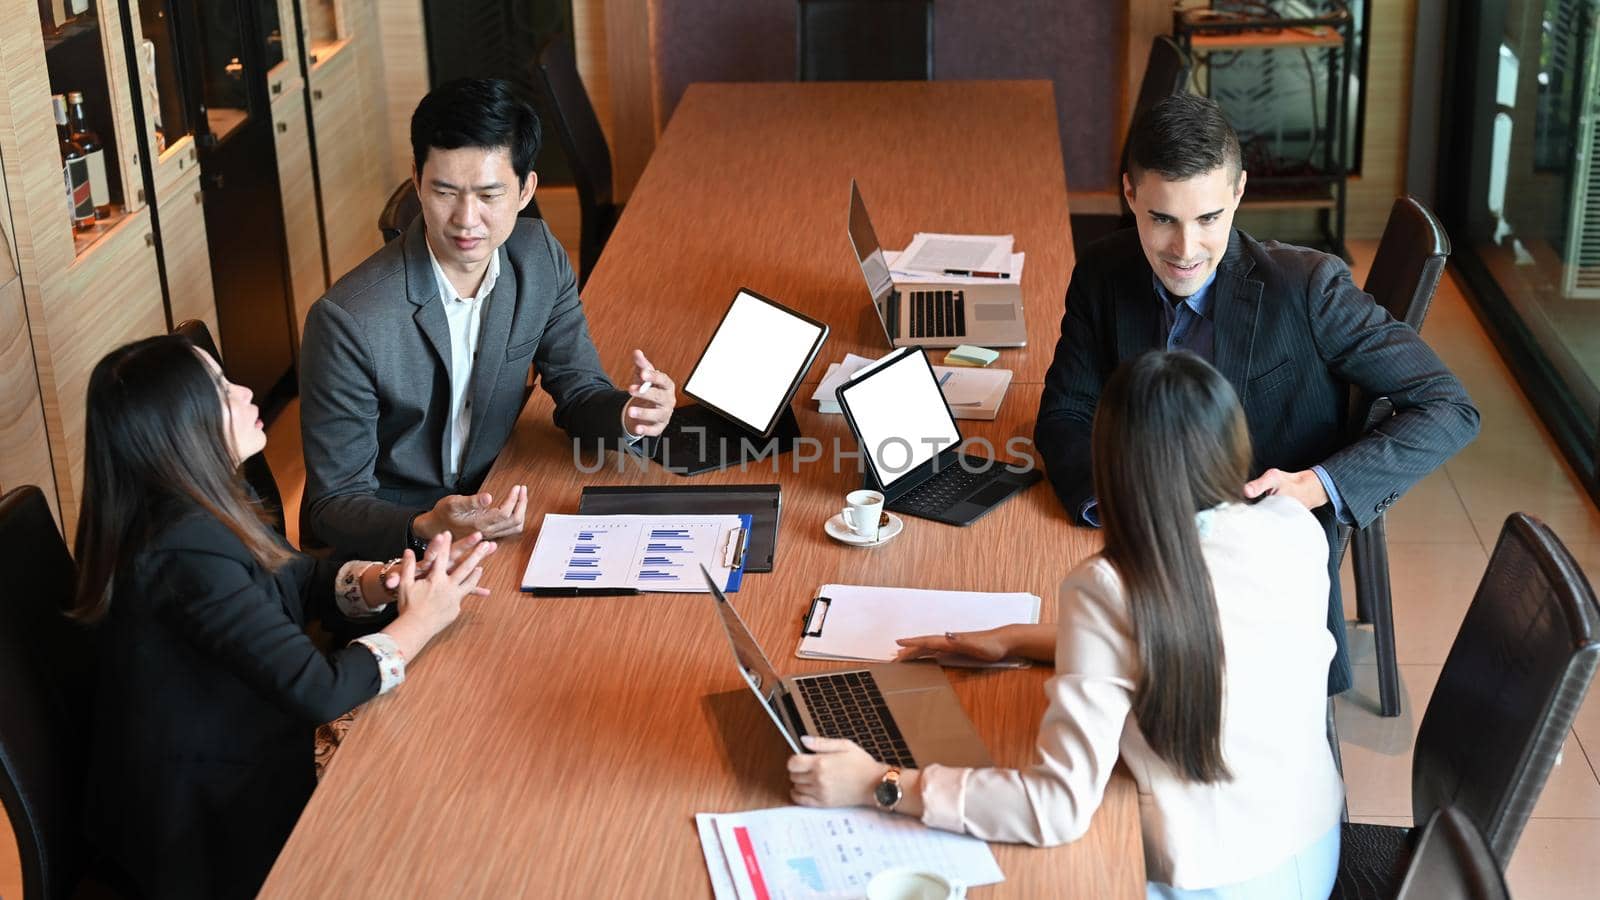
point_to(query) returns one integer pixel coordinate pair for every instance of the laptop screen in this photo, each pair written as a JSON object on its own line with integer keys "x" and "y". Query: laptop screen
{"x": 869, "y": 255}
{"x": 755, "y": 359}
{"x": 753, "y": 665}
{"x": 899, "y": 415}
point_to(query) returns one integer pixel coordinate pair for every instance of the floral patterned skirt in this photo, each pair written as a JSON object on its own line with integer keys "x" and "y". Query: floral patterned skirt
{"x": 329, "y": 736}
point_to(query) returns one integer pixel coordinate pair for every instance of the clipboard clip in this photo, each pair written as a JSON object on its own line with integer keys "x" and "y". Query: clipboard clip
{"x": 733, "y": 553}
{"x": 815, "y": 617}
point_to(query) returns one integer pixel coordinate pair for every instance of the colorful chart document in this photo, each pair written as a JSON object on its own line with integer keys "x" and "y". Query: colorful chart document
{"x": 643, "y": 553}
{"x": 793, "y": 852}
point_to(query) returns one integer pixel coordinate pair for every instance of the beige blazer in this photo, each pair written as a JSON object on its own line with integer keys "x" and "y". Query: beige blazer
{"x": 1268, "y": 564}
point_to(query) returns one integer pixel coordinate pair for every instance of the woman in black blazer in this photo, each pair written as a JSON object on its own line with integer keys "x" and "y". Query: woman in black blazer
{"x": 210, "y": 690}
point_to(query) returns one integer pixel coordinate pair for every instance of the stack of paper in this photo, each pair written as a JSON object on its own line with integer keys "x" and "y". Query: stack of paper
{"x": 979, "y": 255}
{"x": 972, "y": 393}
{"x": 891, "y": 258}
{"x": 793, "y": 852}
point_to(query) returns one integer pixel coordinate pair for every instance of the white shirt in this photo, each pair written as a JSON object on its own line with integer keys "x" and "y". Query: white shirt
{"x": 465, "y": 316}
{"x": 1269, "y": 570}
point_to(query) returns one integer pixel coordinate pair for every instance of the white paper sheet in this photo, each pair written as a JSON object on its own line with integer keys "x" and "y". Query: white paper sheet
{"x": 903, "y": 276}
{"x": 862, "y": 623}
{"x": 936, "y": 253}
{"x": 838, "y": 373}
{"x": 648, "y": 553}
{"x": 793, "y": 852}
{"x": 716, "y": 861}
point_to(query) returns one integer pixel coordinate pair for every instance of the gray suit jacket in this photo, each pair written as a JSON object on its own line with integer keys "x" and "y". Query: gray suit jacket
{"x": 375, "y": 385}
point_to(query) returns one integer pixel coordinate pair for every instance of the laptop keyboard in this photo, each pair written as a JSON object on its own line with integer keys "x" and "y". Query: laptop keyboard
{"x": 849, "y": 705}
{"x": 938, "y": 314}
{"x": 942, "y": 491}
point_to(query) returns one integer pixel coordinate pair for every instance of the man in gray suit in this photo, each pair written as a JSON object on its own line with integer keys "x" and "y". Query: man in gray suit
{"x": 413, "y": 367}
{"x": 1284, "y": 324}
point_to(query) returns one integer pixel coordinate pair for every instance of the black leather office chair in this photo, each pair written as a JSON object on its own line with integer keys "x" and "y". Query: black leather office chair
{"x": 1404, "y": 277}
{"x": 1505, "y": 700}
{"x": 403, "y": 206}
{"x": 564, "y": 106}
{"x": 864, "y": 40}
{"x": 1166, "y": 72}
{"x": 1452, "y": 862}
{"x": 257, "y": 473}
{"x": 46, "y": 699}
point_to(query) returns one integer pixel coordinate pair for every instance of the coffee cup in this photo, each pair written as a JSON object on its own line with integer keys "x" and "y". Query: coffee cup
{"x": 863, "y": 509}
{"x": 907, "y": 883}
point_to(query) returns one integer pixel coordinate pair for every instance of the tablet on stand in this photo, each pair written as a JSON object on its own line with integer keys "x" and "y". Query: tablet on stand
{"x": 743, "y": 385}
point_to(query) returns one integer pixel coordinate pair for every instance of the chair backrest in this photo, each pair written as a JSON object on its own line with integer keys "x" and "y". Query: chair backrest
{"x": 1515, "y": 677}
{"x": 257, "y": 473}
{"x": 403, "y": 206}
{"x": 1410, "y": 260}
{"x": 1404, "y": 276}
{"x": 1166, "y": 72}
{"x": 1452, "y": 862}
{"x": 564, "y": 106}
{"x": 399, "y": 211}
{"x": 864, "y": 40}
{"x": 46, "y": 698}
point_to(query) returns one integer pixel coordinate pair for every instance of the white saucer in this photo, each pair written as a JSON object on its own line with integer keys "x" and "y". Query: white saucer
{"x": 839, "y": 531}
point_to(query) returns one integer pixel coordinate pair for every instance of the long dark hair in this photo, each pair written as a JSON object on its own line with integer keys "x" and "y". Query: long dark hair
{"x": 157, "y": 440}
{"x": 1170, "y": 440}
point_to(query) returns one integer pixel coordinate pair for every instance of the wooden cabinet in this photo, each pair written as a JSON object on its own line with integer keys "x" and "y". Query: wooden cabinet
{"x": 110, "y": 297}
{"x": 83, "y": 293}
{"x": 351, "y": 158}
{"x": 308, "y": 278}
{"x": 24, "y": 446}
{"x": 187, "y": 256}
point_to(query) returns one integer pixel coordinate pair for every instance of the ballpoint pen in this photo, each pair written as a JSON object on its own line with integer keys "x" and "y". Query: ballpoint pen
{"x": 975, "y": 273}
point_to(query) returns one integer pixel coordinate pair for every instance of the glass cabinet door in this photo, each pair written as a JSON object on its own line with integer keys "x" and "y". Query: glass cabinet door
{"x": 325, "y": 27}
{"x": 93, "y": 192}
{"x": 161, "y": 74}
{"x": 224, "y": 82}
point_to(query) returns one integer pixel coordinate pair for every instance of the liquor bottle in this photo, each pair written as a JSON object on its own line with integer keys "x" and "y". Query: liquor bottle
{"x": 93, "y": 150}
{"x": 74, "y": 170}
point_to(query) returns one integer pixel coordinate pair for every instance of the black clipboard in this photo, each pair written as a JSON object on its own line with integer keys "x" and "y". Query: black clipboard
{"x": 762, "y": 502}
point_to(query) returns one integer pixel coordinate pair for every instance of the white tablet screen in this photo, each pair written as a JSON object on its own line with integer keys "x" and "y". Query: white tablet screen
{"x": 753, "y": 360}
{"x": 900, "y": 416}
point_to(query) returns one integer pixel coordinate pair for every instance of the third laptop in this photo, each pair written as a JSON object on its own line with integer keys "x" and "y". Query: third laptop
{"x": 933, "y": 314}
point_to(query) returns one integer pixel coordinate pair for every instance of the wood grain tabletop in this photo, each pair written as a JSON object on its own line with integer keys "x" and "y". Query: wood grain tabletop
{"x": 560, "y": 747}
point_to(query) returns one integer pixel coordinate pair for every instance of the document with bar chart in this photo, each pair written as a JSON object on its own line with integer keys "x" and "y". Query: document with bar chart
{"x": 642, "y": 553}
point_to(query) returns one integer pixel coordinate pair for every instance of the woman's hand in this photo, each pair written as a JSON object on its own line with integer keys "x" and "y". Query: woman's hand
{"x": 385, "y": 585}
{"x": 428, "y": 604}
{"x": 985, "y": 646}
{"x": 836, "y": 773}
{"x": 1035, "y": 642}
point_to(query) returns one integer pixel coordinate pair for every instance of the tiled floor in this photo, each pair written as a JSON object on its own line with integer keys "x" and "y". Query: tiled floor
{"x": 1440, "y": 535}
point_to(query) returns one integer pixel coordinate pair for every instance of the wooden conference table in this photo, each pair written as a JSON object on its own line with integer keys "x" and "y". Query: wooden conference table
{"x": 560, "y": 747}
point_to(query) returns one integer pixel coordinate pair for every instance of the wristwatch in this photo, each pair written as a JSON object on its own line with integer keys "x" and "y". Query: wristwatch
{"x": 888, "y": 792}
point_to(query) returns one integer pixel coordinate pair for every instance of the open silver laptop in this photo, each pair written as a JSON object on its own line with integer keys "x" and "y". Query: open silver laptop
{"x": 903, "y": 714}
{"x": 934, "y": 315}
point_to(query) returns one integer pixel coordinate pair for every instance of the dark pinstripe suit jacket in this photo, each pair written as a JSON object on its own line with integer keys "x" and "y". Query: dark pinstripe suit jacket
{"x": 1292, "y": 333}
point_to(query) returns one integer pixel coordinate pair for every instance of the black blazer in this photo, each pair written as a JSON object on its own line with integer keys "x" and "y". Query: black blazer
{"x": 1291, "y": 334}
{"x": 209, "y": 696}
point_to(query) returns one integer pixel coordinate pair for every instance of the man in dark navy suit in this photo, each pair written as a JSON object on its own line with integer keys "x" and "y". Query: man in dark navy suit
{"x": 1284, "y": 324}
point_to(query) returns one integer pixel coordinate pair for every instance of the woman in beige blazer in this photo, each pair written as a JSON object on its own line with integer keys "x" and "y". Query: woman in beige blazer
{"x": 1194, "y": 648}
